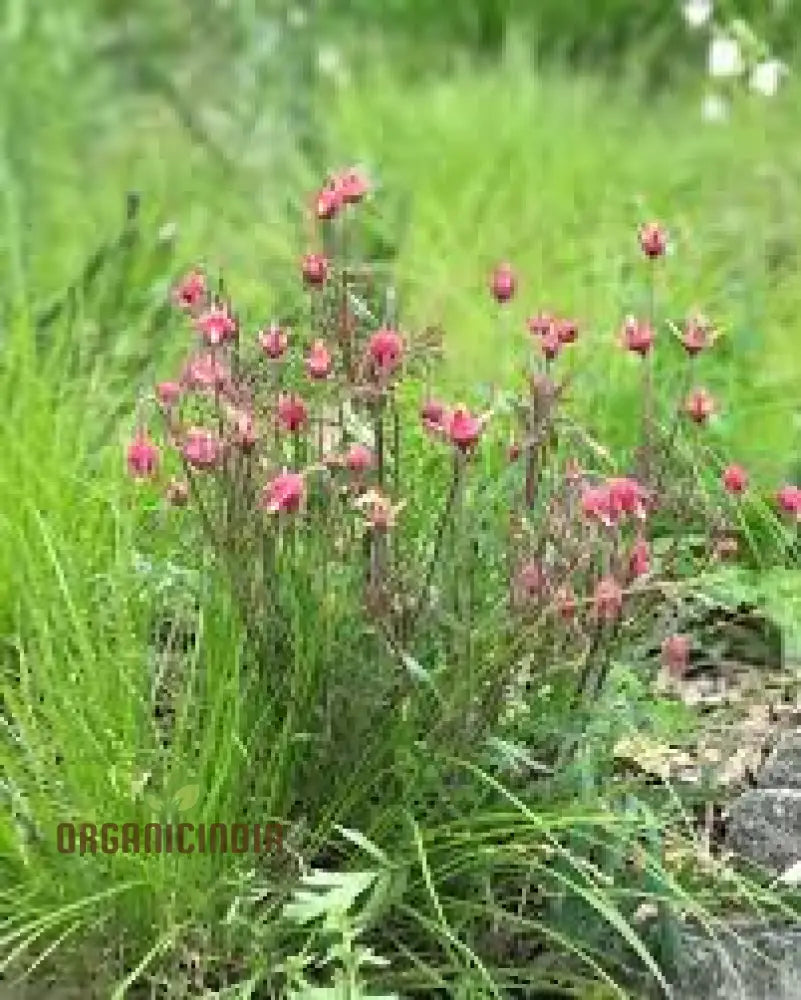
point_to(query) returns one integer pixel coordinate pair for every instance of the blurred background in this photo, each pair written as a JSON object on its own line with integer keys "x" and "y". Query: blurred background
{"x": 139, "y": 138}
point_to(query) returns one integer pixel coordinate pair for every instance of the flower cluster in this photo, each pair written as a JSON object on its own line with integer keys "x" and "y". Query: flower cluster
{"x": 298, "y": 430}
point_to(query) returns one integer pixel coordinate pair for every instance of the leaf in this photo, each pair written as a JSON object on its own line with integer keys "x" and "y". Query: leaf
{"x": 359, "y": 839}
{"x": 186, "y": 798}
{"x": 337, "y": 893}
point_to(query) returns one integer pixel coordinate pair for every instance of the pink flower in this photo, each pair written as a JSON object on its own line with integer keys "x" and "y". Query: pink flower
{"x": 626, "y": 496}
{"x": 734, "y": 479}
{"x": 202, "y": 449}
{"x": 638, "y": 336}
{"x": 142, "y": 456}
{"x": 540, "y": 324}
{"x": 359, "y": 458}
{"x": 168, "y": 394}
{"x": 177, "y": 493}
{"x": 596, "y": 503}
{"x": 292, "y": 413}
{"x": 531, "y": 581}
{"x": 567, "y": 330}
{"x": 273, "y": 342}
{"x": 608, "y": 599}
{"x": 788, "y": 499}
{"x": 352, "y": 185}
{"x": 551, "y": 343}
{"x": 206, "y": 373}
{"x": 318, "y": 361}
{"x": 639, "y": 559}
{"x": 503, "y": 283}
{"x": 697, "y": 335}
{"x": 432, "y": 413}
{"x": 676, "y": 654}
{"x": 284, "y": 493}
{"x": 463, "y": 428}
{"x": 217, "y": 326}
{"x": 699, "y": 406}
{"x": 653, "y": 240}
{"x": 328, "y": 202}
{"x": 385, "y": 350}
{"x": 315, "y": 269}
{"x": 190, "y": 291}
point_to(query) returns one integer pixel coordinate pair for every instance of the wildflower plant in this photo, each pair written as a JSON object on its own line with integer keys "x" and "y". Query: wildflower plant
{"x": 413, "y": 574}
{"x": 332, "y": 484}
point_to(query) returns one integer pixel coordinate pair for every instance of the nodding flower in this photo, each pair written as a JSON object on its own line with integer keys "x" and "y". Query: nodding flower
{"x": 217, "y": 326}
{"x": 734, "y": 479}
{"x": 596, "y": 504}
{"x": 699, "y": 406}
{"x": 285, "y": 493}
{"x": 626, "y": 496}
{"x": 328, "y": 201}
{"x": 206, "y": 373}
{"x": 385, "y": 350}
{"x": 142, "y": 456}
{"x": 540, "y": 324}
{"x": 273, "y": 342}
{"x": 676, "y": 654}
{"x": 531, "y": 581}
{"x": 637, "y": 336}
{"x": 292, "y": 413}
{"x": 788, "y": 500}
{"x": 432, "y": 413}
{"x": 697, "y": 335}
{"x": 503, "y": 283}
{"x": 463, "y": 429}
{"x": 168, "y": 394}
{"x": 190, "y": 292}
{"x": 202, "y": 449}
{"x": 314, "y": 268}
{"x": 653, "y": 240}
{"x": 358, "y": 458}
{"x": 318, "y": 361}
{"x": 567, "y": 330}
{"x": 551, "y": 344}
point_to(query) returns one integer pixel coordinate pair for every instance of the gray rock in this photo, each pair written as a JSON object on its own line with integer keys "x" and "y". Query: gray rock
{"x": 747, "y": 962}
{"x": 783, "y": 768}
{"x": 764, "y": 826}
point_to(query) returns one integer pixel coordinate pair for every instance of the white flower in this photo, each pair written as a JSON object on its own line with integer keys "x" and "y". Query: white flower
{"x": 725, "y": 57}
{"x": 766, "y": 76}
{"x": 714, "y": 108}
{"x": 697, "y": 12}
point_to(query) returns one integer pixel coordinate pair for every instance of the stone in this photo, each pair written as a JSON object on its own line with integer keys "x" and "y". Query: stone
{"x": 783, "y": 768}
{"x": 764, "y": 826}
{"x": 745, "y": 962}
